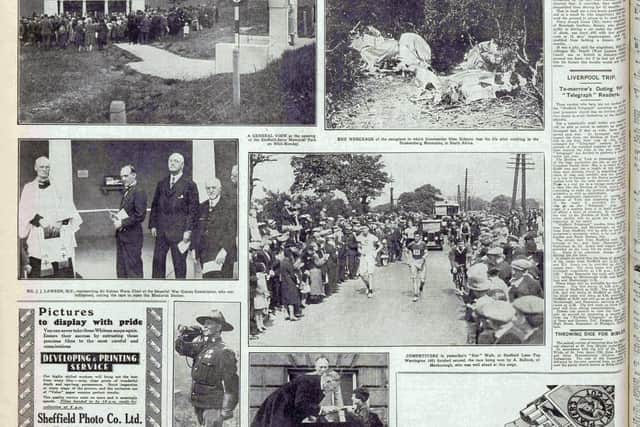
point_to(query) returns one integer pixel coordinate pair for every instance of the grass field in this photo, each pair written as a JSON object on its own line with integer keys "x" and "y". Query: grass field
{"x": 254, "y": 20}
{"x": 70, "y": 87}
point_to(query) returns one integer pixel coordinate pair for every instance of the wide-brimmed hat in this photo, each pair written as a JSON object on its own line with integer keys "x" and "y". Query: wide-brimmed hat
{"x": 479, "y": 286}
{"x": 216, "y": 316}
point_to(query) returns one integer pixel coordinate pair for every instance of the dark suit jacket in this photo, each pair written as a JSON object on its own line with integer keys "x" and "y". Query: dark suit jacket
{"x": 291, "y": 403}
{"x": 134, "y": 203}
{"x": 216, "y": 229}
{"x": 528, "y": 286}
{"x": 174, "y": 210}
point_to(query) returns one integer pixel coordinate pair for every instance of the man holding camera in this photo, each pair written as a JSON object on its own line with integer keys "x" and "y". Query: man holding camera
{"x": 214, "y": 374}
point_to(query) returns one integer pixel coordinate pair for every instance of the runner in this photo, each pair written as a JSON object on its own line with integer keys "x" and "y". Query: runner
{"x": 417, "y": 263}
{"x": 368, "y": 246}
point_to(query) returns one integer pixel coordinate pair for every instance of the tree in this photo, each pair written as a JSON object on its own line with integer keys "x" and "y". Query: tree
{"x": 532, "y": 204}
{"x": 273, "y": 206}
{"x": 501, "y": 204}
{"x": 255, "y": 160}
{"x": 477, "y": 204}
{"x": 451, "y": 27}
{"x": 361, "y": 177}
{"x": 422, "y": 199}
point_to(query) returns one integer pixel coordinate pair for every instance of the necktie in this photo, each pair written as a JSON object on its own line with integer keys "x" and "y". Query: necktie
{"x": 43, "y": 184}
{"x": 173, "y": 181}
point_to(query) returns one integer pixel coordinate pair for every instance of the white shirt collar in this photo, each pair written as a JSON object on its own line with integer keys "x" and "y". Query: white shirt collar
{"x": 175, "y": 178}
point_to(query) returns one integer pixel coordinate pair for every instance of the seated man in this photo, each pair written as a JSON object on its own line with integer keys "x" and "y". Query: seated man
{"x": 361, "y": 412}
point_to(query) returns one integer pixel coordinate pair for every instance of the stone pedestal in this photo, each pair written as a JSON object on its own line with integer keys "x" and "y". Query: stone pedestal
{"x": 278, "y": 26}
{"x": 254, "y": 55}
{"x": 118, "y": 112}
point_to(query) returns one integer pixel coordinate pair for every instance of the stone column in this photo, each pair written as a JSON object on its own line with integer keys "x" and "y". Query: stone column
{"x": 50, "y": 7}
{"x": 278, "y": 27}
{"x": 293, "y": 18}
{"x": 106, "y": 8}
{"x": 204, "y": 164}
{"x": 61, "y": 166}
{"x": 84, "y": 7}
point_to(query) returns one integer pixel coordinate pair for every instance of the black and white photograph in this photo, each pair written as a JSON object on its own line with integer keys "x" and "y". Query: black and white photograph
{"x": 512, "y": 400}
{"x": 321, "y": 389}
{"x": 172, "y": 62}
{"x": 434, "y": 64}
{"x": 136, "y": 209}
{"x": 206, "y": 364}
{"x": 396, "y": 249}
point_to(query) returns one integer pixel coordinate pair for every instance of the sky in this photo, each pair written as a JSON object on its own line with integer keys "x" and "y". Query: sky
{"x": 489, "y": 175}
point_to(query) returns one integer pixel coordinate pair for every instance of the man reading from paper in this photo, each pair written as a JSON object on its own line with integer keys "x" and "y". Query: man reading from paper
{"x": 128, "y": 224}
{"x": 296, "y": 400}
{"x": 173, "y": 216}
{"x": 48, "y": 221}
{"x": 214, "y": 240}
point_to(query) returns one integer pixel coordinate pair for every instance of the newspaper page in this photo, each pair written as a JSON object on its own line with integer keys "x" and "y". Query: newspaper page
{"x": 634, "y": 231}
{"x": 281, "y": 213}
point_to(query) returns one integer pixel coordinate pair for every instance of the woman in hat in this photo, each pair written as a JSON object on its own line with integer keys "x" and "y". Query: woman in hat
{"x": 289, "y": 293}
{"x": 79, "y": 34}
{"x": 261, "y": 297}
{"x": 316, "y": 261}
{"x": 91, "y": 35}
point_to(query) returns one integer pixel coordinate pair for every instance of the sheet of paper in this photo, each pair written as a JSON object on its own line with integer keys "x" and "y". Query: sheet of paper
{"x": 122, "y": 215}
{"x": 210, "y": 266}
{"x": 183, "y": 246}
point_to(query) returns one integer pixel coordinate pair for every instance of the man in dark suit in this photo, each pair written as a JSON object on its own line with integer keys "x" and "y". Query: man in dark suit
{"x": 128, "y": 224}
{"x": 173, "y": 217}
{"x": 215, "y": 237}
{"x": 297, "y": 400}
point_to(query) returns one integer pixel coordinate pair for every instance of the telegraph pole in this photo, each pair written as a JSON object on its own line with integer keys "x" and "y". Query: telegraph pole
{"x": 236, "y": 54}
{"x": 514, "y": 194}
{"x": 520, "y": 165}
{"x": 523, "y": 160}
{"x": 466, "y": 183}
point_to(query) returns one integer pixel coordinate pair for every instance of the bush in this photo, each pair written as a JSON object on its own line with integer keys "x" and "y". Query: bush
{"x": 298, "y": 81}
{"x": 342, "y": 63}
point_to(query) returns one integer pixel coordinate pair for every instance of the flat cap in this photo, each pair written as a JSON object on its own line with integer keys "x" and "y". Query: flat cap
{"x": 500, "y": 311}
{"x": 495, "y": 251}
{"x": 529, "y": 304}
{"x": 521, "y": 264}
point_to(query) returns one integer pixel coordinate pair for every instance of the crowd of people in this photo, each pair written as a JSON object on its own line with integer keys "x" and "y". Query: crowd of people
{"x": 300, "y": 259}
{"x": 84, "y": 33}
